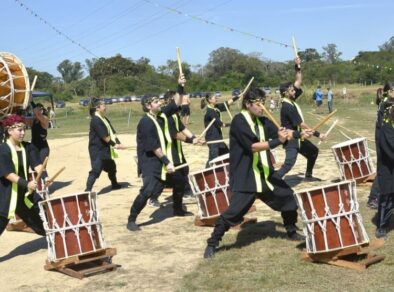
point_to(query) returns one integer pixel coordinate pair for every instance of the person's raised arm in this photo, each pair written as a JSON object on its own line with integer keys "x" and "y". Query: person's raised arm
{"x": 181, "y": 84}
{"x": 298, "y": 75}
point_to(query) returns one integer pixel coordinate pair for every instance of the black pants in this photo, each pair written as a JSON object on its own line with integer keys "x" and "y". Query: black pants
{"x": 216, "y": 150}
{"x": 385, "y": 210}
{"x": 375, "y": 190}
{"x": 30, "y": 216}
{"x": 98, "y": 165}
{"x": 152, "y": 185}
{"x": 307, "y": 149}
{"x": 44, "y": 152}
{"x": 187, "y": 188}
{"x": 280, "y": 199}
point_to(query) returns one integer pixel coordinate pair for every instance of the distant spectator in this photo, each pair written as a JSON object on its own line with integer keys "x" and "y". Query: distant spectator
{"x": 330, "y": 96}
{"x": 319, "y": 99}
{"x": 344, "y": 92}
{"x": 52, "y": 117}
{"x": 272, "y": 105}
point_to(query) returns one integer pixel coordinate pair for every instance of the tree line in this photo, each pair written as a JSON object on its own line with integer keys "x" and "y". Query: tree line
{"x": 226, "y": 69}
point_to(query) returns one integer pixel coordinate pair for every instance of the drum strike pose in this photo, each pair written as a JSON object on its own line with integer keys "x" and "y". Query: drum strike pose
{"x": 251, "y": 170}
{"x": 39, "y": 130}
{"x": 385, "y": 167}
{"x": 103, "y": 144}
{"x": 155, "y": 161}
{"x": 292, "y": 118}
{"x": 214, "y": 110}
{"x": 16, "y": 193}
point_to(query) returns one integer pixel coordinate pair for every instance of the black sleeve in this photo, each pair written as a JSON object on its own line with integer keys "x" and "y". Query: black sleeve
{"x": 6, "y": 165}
{"x": 386, "y": 141}
{"x": 221, "y": 107}
{"x": 241, "y": 132}
{"x": 298, "y": 92}
{"x": 180, "y": 89}
{"x": 170, "y": 109}
{"x": 98, "y": 126}
{"x": 181, "y": 125}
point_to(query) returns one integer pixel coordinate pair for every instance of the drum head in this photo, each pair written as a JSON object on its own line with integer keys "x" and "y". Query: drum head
{"x": 349, "y": 142}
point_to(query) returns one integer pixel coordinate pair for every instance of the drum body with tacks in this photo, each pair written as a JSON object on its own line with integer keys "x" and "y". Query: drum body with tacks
{"x": 353, "y": 159}
{"x": 211, "y": 189}
{"x": 331, "y": 217}
{"x": 72, "y": 225}
{"x": 14, "y": 84}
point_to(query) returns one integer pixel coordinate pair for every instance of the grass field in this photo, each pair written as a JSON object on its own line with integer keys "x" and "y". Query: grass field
{"x": 258, "y": 258}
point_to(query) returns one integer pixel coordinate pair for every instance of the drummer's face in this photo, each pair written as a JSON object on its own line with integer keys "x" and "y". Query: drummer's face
{"x": 17, "y": 134}
{"x": 102, "y": 109}
{"x": 255, "y": 108}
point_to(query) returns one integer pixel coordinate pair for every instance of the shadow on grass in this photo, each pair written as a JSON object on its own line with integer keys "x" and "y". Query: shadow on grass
{"x": 108, "y": 189}
{"x": 26, "y": 248}
{"x": 255, "y": 232}
{"x": 160, "y": 214}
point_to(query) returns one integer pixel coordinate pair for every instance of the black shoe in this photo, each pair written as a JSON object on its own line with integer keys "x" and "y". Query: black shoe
{"x": 154, "y": 203}
{"x": 310, "y": 178}
{"x": 182, "y": 213}
{"x": 132, "y": 226}
{"x": 294, "y": 236}
{"x": 87, "y": 190}
{"x": 209, "y": 252}
{"x": 116, "y": 186}
{"x": 381, "y": 233}
{"x": 372, "y": 204}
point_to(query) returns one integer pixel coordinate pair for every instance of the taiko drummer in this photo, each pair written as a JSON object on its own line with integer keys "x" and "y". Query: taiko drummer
{"x": 291, "y": 118}
{"x": 251, "y": 170}
{"x": 16, "y": 156}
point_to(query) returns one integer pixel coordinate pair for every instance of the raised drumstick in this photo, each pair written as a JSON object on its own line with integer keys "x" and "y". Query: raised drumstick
{"x": 178, "y": 56}
{"x": 247, "y": 87}
{"x": 330, "y": 129}
{"x": 269, "y": 115}
{"x": 323, "y": 121}
{"x": 54, "y": 176}
{"x": 295, "y": 47}
{"x": 228, "y": 110}
{"x": 44, "y": 165}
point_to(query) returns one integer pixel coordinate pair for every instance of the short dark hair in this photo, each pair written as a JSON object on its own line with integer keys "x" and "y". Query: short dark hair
{"x": 147, "y": 99}
{"x": 253, "y": 95}
{"x": 388, "y": 86}
{"x": 284, "y": 87}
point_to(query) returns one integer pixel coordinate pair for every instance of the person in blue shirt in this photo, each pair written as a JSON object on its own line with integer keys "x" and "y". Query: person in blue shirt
{"x": 319, "y": 99}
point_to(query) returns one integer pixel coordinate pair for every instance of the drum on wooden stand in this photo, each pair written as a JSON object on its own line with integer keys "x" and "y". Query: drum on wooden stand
{"x": 14, "y": 84}
{"x": 72, "y": 225}
{"x": 331, "y": 217}
{"x": 353, "y": 160}
{"x": 210, "y": 187}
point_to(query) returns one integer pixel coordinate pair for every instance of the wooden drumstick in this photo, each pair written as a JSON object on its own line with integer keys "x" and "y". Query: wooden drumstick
{"x": 228, "y": 110}
{"x": 269, "y": 115}
{"x": 181, "y": 166}
{"x": 54, "y": 176}
{"x": 130, "y": 147}
{"x": 330, "y": 129}
{"x": 206, "y": 129}
{"x": 247, "y": 87}
{"x": 34, "y": 83}
{"x": 323, "y": 121}
{"x": 295, "y": 47}
{"x": 215, "y": 141}
{"x": 44, "y": 165}
{"x": 178, "y": 56}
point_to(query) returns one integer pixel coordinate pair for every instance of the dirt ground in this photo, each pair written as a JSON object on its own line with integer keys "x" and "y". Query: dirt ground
{"x": 154, "y": 259}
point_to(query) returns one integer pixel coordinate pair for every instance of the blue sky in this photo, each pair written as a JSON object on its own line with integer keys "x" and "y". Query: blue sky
{"x": 145, "y": 28}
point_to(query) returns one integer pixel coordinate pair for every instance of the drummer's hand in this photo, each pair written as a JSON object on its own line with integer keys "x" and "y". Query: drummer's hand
{"x": 282, "y": 134}
{"x": 322, "y": 137}
{"x": 170, "y": 168}
{"x": 182, "y": 80}
{"x": 199, "y": 141}
{"x": 290, "y": 134}
{"x": 306, "y": 133}
{"x": 32, "y": 185}
{"x": 119, "y": 146}
{"x": 48, "y": 182}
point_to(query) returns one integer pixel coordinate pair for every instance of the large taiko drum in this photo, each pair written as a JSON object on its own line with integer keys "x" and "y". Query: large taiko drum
{"x": 353, "y": 159}
{"x": 14, "y": 84}
{"x": 331, "y": 217}
{"x": 211, "y": 189}
{"x": 72, "y": 225}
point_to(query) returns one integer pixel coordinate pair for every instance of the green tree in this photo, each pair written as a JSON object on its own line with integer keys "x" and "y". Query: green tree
{"x": 70, "y": 71}
{"x": 331, "y": 54}
{"x": 309, "y": 55}
{"x": 388, "y": 46}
